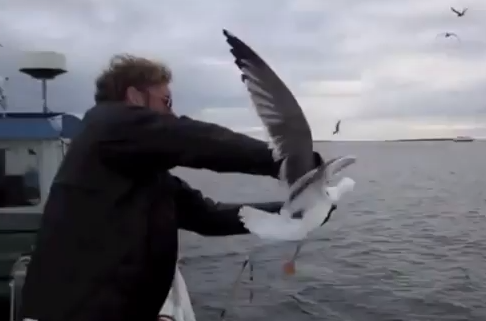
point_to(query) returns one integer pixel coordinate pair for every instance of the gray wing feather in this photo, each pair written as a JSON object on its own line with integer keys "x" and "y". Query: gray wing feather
{"x": 337, "y": 164}
{"x": 278, "y": 109}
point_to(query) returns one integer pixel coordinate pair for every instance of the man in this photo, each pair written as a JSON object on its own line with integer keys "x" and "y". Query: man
{"x": 107, "y": 247}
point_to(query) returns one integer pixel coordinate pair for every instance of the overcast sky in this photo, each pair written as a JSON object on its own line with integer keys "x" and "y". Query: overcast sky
{"x": 376, "y": 64}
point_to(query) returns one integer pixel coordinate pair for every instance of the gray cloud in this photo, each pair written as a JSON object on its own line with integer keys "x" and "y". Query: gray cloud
{"x": 389, "y": 46}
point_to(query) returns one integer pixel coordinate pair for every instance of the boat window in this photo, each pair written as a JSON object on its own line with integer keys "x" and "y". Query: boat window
{"x": 19, "y": 177}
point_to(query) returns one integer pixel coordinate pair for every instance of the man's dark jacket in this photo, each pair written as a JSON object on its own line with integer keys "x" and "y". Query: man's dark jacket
{"x": 107, "y": 246}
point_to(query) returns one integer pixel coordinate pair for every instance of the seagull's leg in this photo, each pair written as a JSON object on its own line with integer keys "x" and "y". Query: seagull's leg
{"x": 289, "y": 267}
{"x": 234, "y": 288}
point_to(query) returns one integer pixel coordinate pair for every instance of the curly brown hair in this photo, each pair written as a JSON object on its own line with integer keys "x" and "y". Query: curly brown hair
{"x": 126, "y": 71}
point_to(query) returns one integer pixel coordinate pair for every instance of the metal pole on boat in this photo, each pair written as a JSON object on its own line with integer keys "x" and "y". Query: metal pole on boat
{"x": 3, "y": 95}
{"x": 44, "y": 96}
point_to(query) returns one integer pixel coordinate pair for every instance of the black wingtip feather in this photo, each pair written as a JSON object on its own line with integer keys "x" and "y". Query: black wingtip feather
{"x": 239, "y": 49}
{"x": 227, "y": 34}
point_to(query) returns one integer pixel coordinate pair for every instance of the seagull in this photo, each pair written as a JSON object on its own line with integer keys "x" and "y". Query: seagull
{"x": 310, "y": 199}
{"x": 459, "y": 13}
{"x": 338, "y": 124}
{"x": 296, "y": 227}
{"x": 448, "y": 35}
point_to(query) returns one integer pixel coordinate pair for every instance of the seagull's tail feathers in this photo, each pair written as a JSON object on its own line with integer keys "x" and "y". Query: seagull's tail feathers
{"x": 344, "y": 186}
{"x": 271, "y": 226}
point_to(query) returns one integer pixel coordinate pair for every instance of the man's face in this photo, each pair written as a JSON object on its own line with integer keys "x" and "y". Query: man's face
{"x": 156, "y": 97}
{"x": 159, "y": 99}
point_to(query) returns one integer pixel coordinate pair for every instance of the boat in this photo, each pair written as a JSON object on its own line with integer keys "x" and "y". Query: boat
{"x": 177, "y": 306}
{"x": 32, "y": 146}
{"x": 463, "y": 139}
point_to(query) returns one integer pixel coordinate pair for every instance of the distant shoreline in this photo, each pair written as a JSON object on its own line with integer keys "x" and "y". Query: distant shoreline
{"x": 395, "y": 140}
{"x": 422, "y": 140}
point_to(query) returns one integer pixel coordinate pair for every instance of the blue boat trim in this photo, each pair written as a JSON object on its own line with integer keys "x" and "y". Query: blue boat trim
{"x": 38, "y": 126}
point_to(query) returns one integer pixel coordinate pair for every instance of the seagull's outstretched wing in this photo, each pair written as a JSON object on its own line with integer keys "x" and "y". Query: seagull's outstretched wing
{"x": 455, "y": 11}
{"x": 337, "y": 164}
{"x": 456, "y": 36}
{"x": 271, "y": 226}
{"x": 278, "y": 109}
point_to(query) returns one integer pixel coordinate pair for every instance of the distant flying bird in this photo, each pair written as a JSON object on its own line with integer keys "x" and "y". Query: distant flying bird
{"x": 336, "y": 130}
{"x": 448, "y": 35}
{"x": 459, "y": 13}
{"x": 310, "y": 199}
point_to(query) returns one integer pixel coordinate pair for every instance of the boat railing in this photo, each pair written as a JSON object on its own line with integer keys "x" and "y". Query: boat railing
{"x": 19, "y": 271}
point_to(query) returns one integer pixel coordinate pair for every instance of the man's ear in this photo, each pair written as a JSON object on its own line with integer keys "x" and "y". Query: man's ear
{"x": 133, "y": 96}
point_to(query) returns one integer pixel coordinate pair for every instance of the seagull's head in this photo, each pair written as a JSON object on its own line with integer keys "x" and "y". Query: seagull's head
{"x": 334, "y": 193}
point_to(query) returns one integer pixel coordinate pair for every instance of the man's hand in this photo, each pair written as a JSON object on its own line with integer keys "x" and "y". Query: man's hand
{"x": 202, "y": 215}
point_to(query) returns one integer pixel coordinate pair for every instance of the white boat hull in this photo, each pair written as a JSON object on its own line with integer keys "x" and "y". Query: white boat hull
{"x": 178, "y": 304}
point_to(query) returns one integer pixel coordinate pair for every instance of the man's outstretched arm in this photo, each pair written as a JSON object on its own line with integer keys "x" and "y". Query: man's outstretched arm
{"x": 139, "y": 139}
{"x": 136, "y": 138}
{"x": 202, "y": 215}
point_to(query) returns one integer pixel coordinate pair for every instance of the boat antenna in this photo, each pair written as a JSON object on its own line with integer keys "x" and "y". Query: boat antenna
{"x": 43, "y": 66}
